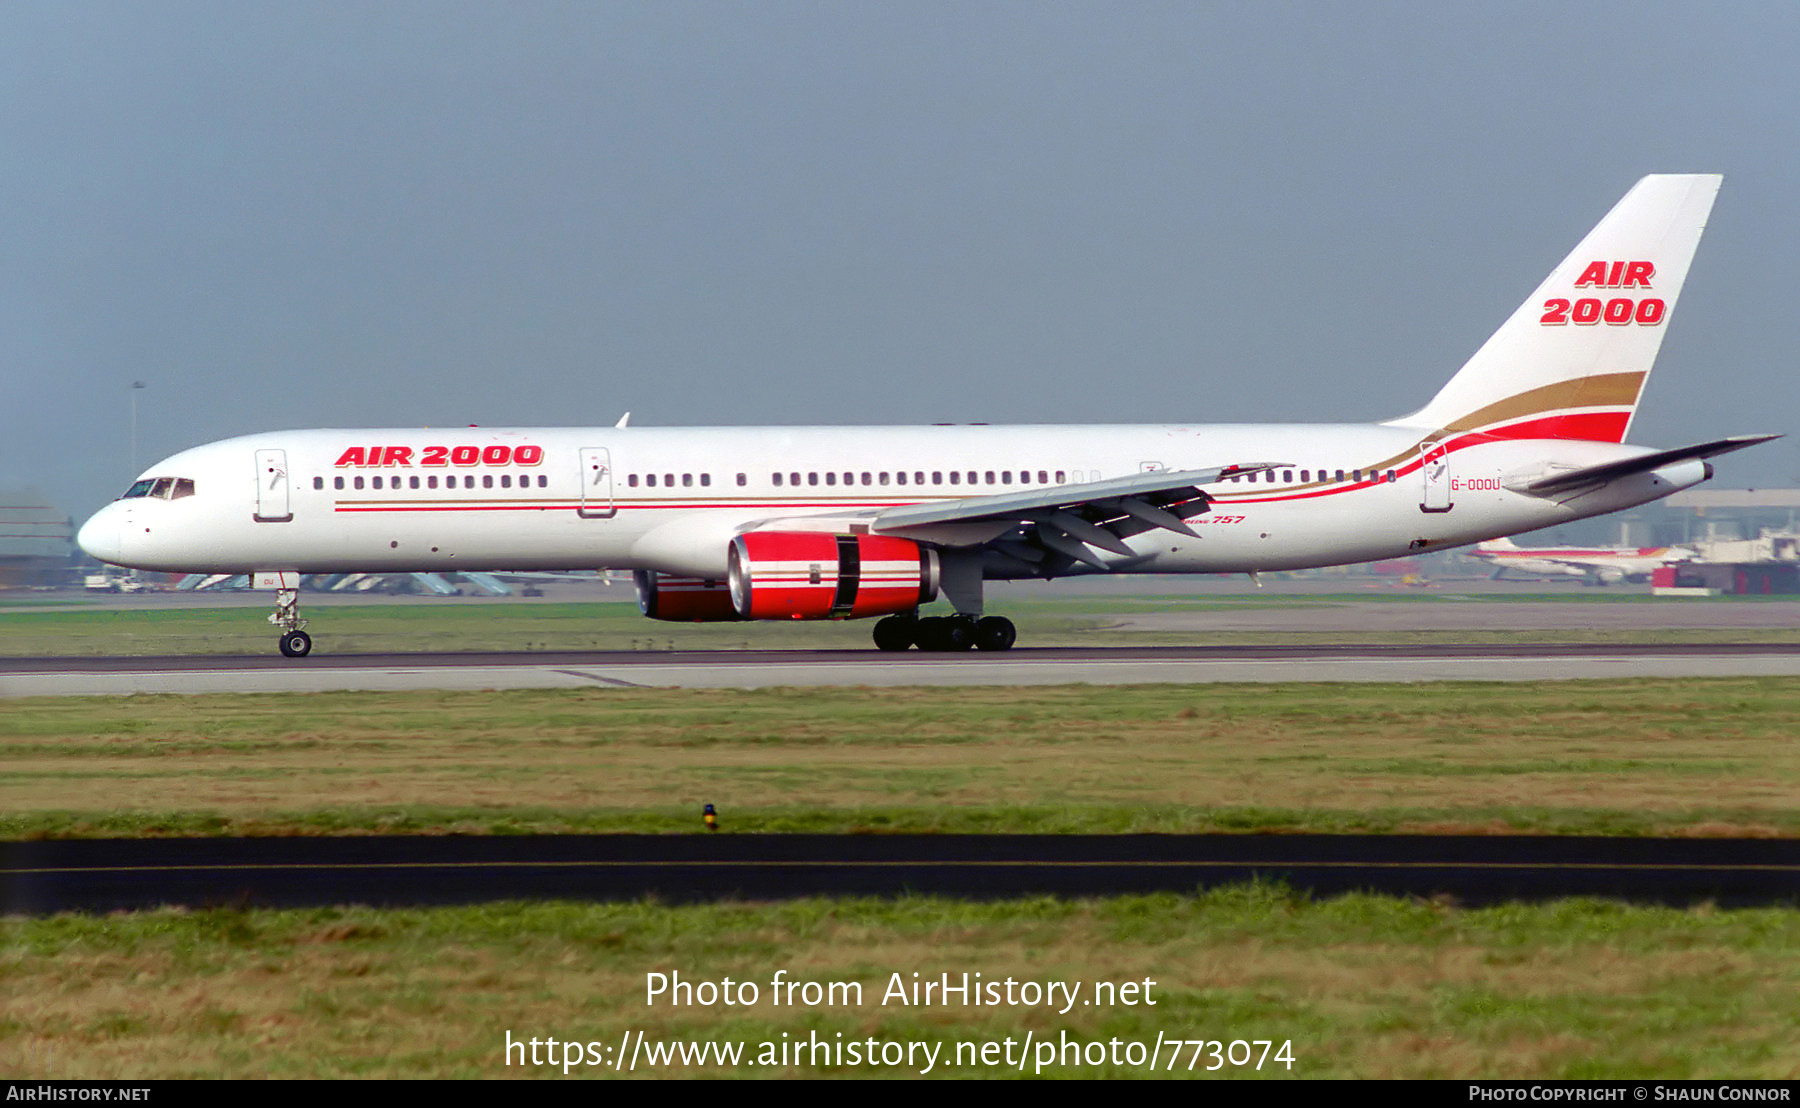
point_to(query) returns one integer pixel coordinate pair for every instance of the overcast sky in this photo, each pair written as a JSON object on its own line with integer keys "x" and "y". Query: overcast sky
{"x": 380, "y": 214}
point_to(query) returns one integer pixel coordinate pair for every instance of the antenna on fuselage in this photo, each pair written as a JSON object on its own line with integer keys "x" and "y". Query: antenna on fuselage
{"x": 623, "y": 420}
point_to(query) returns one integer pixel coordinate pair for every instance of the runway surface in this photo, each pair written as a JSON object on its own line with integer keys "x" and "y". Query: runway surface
{"x": 107, "y": 875}
{"x": 764, "y": 668}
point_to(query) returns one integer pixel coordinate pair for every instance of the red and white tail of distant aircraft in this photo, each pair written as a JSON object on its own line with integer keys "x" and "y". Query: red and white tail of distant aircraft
{"x": 1602, "y": 565}
{"x": 802, "y": 523}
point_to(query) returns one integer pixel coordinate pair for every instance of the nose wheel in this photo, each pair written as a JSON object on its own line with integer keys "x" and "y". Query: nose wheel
{"x": 294, "y": 642}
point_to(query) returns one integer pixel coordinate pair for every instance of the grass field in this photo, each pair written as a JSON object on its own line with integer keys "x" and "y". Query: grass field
{"x": 1361, "y": 986}
{"x": 1689, "y": 757}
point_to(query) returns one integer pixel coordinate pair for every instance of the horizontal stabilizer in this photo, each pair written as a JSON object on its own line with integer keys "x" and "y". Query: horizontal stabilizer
{"x": 1610, "y": 471}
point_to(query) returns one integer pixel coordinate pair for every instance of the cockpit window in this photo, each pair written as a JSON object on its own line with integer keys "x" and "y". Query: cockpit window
{"x": 163, "y": 488}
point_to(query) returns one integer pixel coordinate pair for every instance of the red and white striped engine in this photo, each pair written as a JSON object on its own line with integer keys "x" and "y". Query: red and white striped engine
{"x": 816, "y": 575}
{"x": 683, "y": 599}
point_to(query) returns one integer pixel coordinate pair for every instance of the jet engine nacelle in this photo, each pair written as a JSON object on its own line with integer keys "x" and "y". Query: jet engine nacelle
{"x": 816, "y": 575}
{"x": 683, "y": 599}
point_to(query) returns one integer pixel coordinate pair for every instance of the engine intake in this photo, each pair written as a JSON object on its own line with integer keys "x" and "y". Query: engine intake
{"x": 815, "y": 575}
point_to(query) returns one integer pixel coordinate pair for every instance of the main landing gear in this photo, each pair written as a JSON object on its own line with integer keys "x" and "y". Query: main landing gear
{"x": 294, "y": 642}
{"x": 945, "y": 633}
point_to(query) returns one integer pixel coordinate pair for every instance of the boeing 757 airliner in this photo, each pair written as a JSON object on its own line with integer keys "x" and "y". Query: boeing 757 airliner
{"x": 846, "y": 522}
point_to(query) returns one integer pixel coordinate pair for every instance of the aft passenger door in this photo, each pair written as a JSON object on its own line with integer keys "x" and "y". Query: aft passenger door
{"x": 272, "y": 487}
{"x": 1435, "y": 471}
{"x": 596, "y": 483}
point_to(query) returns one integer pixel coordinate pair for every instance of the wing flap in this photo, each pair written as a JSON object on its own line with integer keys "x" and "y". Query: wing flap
{"x": 1156, "y": 490}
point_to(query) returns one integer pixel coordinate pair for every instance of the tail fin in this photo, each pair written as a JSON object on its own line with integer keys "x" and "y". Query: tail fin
{"x": 1572, "y": 361}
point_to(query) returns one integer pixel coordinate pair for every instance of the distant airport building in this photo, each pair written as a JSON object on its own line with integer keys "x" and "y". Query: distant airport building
{"x": 36, "y": 544}
{"x": 1692, "y": 515}
{"x": 1723, "y": 514}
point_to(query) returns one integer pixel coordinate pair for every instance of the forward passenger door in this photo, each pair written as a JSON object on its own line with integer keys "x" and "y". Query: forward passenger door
{"x": 596, "y": 483}
{"x": 272, "y": 504}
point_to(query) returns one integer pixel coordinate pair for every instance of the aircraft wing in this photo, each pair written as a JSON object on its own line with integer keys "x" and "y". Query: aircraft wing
{"x": 1609, "y": 471}
{"x": 1062, "y": 523}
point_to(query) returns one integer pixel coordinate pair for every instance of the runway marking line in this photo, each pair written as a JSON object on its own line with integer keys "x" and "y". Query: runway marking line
{"x": 238, "y": 867}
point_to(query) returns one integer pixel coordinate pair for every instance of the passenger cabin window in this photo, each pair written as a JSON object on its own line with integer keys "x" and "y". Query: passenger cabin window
{"x": 358, "y": 482}
{"x": 744, "y": 480}
{"x": 318, "y": 483}
{"x": 431, "y": 482}
{"x": 706, "y": 480}
{"x": 338, "y": 482}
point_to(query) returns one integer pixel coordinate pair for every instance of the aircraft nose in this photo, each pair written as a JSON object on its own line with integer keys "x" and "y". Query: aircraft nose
{"x": 99, "y": 536}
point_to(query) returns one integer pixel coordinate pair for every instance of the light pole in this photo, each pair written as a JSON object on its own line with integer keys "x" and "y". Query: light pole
{"x": 135, "y": 387}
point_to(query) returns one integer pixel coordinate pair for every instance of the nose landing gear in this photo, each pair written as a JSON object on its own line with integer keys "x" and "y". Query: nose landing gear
{"x": 294, "y": 642}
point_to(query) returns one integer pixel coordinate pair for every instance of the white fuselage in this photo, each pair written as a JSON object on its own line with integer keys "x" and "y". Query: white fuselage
{"x": 671, "y": 500}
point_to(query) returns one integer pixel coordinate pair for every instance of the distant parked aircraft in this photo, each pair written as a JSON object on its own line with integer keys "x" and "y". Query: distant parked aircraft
{"x": 1598, "y": 565}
